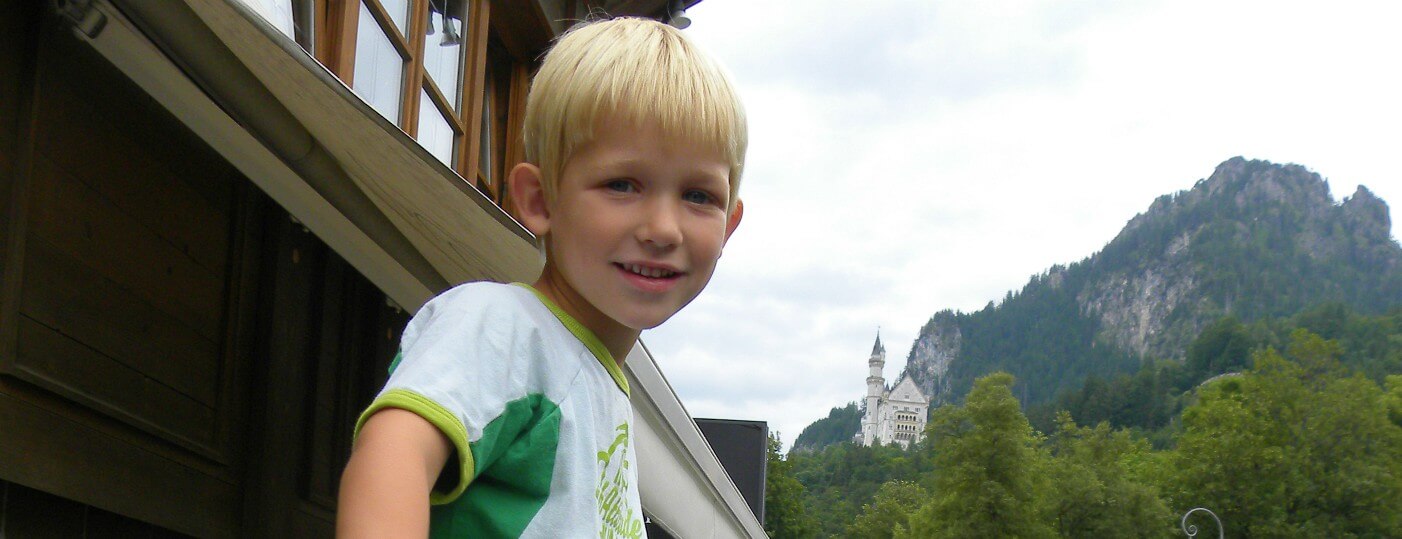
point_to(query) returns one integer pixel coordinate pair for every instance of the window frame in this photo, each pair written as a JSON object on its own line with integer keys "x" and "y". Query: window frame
{"x": 336, "y": 36}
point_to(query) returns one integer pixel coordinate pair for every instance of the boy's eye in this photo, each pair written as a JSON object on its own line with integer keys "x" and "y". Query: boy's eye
{"x": 621, "y": 186}
{"x": 698, "y": 197}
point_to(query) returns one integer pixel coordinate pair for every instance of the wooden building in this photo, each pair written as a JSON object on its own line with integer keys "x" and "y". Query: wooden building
{"x": 218, "y": 216}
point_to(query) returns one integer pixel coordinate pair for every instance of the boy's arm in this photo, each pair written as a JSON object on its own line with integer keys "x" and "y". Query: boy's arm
{"x": 393, "y": 466}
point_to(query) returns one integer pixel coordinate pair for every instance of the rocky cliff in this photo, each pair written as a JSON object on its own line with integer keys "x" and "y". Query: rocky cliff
{"x": 1255, "y": 239}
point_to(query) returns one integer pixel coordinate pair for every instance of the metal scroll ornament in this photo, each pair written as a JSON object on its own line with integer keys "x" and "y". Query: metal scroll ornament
{"x": 1192, "y": 529}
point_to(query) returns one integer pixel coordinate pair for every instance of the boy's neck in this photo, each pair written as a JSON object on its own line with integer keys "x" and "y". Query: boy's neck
{"x": 617, "y": 338}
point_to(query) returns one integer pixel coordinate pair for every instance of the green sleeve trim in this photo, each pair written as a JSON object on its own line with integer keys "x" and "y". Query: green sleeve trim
{"x": 585, "y": 336}
{"x": 440, "y": 417}
{"x": 394, "y": 364}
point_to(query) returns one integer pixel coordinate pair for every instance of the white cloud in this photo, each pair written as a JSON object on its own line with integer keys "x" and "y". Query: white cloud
{"x": 907, "y": 157}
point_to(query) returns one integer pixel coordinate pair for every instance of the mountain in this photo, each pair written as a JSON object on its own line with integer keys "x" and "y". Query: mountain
{"x": 1254, "y": 240}
{"x": 839, "y": 426}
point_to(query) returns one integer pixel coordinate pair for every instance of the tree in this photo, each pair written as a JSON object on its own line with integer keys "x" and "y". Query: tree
{"x": 986, "y": 468}
{"x": 1292, "y": 448}
{"x": 1394, "y": 399}
{"x": 1097, "y": 492}
{"x": 1224, "y": 346}
{"x": 840, "y": 425}
{"x": 889, "y": 511}
{"x": 784, "y": 513}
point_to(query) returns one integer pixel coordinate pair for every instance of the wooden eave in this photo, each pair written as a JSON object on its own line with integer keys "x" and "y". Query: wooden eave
{"x": 410, "y": 206}
{"x": 526, "y": 30}
{"x": 523, "y": 28}
{"x": 652, "y": 9}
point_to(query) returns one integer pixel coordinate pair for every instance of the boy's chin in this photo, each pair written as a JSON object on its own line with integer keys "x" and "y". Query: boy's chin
{"x": 646, "y": 316}
{"x": 644, "y": 321}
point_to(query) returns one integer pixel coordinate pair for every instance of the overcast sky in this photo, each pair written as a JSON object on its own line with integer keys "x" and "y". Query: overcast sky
{"x": 908, "y": 157}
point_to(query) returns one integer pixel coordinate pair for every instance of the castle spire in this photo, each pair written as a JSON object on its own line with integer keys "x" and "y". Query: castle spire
{"x": 878, "y": 349}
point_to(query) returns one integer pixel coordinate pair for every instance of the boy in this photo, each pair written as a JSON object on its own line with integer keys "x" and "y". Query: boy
{"x": 507, "y": 409}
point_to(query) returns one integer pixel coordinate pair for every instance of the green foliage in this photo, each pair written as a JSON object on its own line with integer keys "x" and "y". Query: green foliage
{"x": 1292, "y": 448}
{"x": 1394, "y": 399}
{"x": 1099, "y": 489}
{"x": 842, "y": 478}
{"x": 785, "y": 515}
{"x": 840, "y": 425}
{"x": 986, "y": 459}
{"x": 1040, "y": 335}
{"x": 889, "y": 511}
{"x": 1150, "y": 398}
{"x": 1305, "y": 442}
{"x": 1371, "y": 345}
{"x": 1223, "y": 346}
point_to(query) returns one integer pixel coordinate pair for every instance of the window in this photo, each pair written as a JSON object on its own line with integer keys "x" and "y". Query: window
{"x": 380, "y": 59}
{"x": 504, "y": 87}
{"x": 434, "y": 69}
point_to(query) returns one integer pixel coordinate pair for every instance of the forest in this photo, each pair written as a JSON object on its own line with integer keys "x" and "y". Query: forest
{"x": 1281, "y": 427}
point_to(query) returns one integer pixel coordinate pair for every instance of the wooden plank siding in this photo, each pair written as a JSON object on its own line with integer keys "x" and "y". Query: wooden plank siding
{"x": 177, "y": 354}
{"x": 118, "y": 308}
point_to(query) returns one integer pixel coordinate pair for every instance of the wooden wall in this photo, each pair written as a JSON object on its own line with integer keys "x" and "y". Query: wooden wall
{"x": 27, "y": 513}
{"x": 174, "y": 348}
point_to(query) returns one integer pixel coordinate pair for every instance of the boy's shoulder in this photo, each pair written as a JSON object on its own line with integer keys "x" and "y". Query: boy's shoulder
{"x": 482, "y": 307}
{"x": 475, "y": 307}
{"x": 483, "y": 298}
{"x": 487, "y": 327}
{"x": 479, "y": 292}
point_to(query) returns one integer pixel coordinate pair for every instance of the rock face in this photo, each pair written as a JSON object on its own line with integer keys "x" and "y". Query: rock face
{"x": 1255, "y": 239}
{"x": 931, "y": 355}
{"x": 1134, "y": 306}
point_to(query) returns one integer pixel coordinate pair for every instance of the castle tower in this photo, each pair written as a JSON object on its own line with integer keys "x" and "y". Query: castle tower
{"x": 876, "y": 383}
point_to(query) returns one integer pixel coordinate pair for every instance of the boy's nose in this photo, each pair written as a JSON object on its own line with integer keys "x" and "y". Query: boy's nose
{"x": 660, "y": 227}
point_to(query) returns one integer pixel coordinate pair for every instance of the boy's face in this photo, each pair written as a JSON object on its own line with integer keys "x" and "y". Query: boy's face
{"x": 636, "y": 226}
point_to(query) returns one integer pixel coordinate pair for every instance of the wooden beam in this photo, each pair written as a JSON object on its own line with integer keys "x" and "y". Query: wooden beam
{"x": 522, "y": 27}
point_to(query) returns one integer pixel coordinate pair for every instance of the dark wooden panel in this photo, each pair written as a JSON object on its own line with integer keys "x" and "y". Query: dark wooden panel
{"x": 338, "y": 317}
{"x": 133, "y": 211}
{"x": 313, "y": 524}
{"x": 524, "y": 29}
{"x": 70, "y": 456}
{"x": 293, "y": 259}
{"x": 104, "y": 524}
{"x": 15, "y": 51}
{"x": 90, "y": 117}
{"x": 7, "y": 162}
{"x": 82, "y": 224}
{"x": 148, "y": 194}
{"x": 34, "y": 513}
{"x": 240, "y": 355}
{"x": 65, "y": 295}
{"x": 359, "y": 335}
{"x": 68, "y": 368}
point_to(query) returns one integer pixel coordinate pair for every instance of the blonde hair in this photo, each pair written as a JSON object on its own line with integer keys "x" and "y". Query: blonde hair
{"x": 633, "y": 70}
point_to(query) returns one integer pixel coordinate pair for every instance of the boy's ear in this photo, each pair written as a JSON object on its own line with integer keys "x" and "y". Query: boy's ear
{"x": 734, "y": 219}
{"x": 528, "y": 194}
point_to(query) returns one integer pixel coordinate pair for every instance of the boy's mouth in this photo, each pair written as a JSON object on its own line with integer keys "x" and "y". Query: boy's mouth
{"x": 646, "y": 271}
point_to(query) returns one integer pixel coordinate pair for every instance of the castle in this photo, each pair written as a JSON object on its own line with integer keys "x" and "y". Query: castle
{"x": 896, "y": 414}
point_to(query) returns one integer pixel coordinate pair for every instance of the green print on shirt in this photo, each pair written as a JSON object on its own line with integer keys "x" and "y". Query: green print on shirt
{"x": 619, "y": 520}
{"x": 515, "y": 461}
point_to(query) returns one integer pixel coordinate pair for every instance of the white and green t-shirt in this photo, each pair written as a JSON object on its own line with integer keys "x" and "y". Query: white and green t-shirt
{"x": 536, "y": 408}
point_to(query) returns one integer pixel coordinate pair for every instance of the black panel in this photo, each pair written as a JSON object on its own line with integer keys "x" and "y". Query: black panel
{"x": 742, "y": 449}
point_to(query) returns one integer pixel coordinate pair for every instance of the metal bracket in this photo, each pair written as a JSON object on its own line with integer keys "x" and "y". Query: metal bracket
{"x": 83, "y": 15}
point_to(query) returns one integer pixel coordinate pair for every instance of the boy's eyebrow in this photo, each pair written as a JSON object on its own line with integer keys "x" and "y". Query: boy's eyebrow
{"x": 692, "y": 173}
